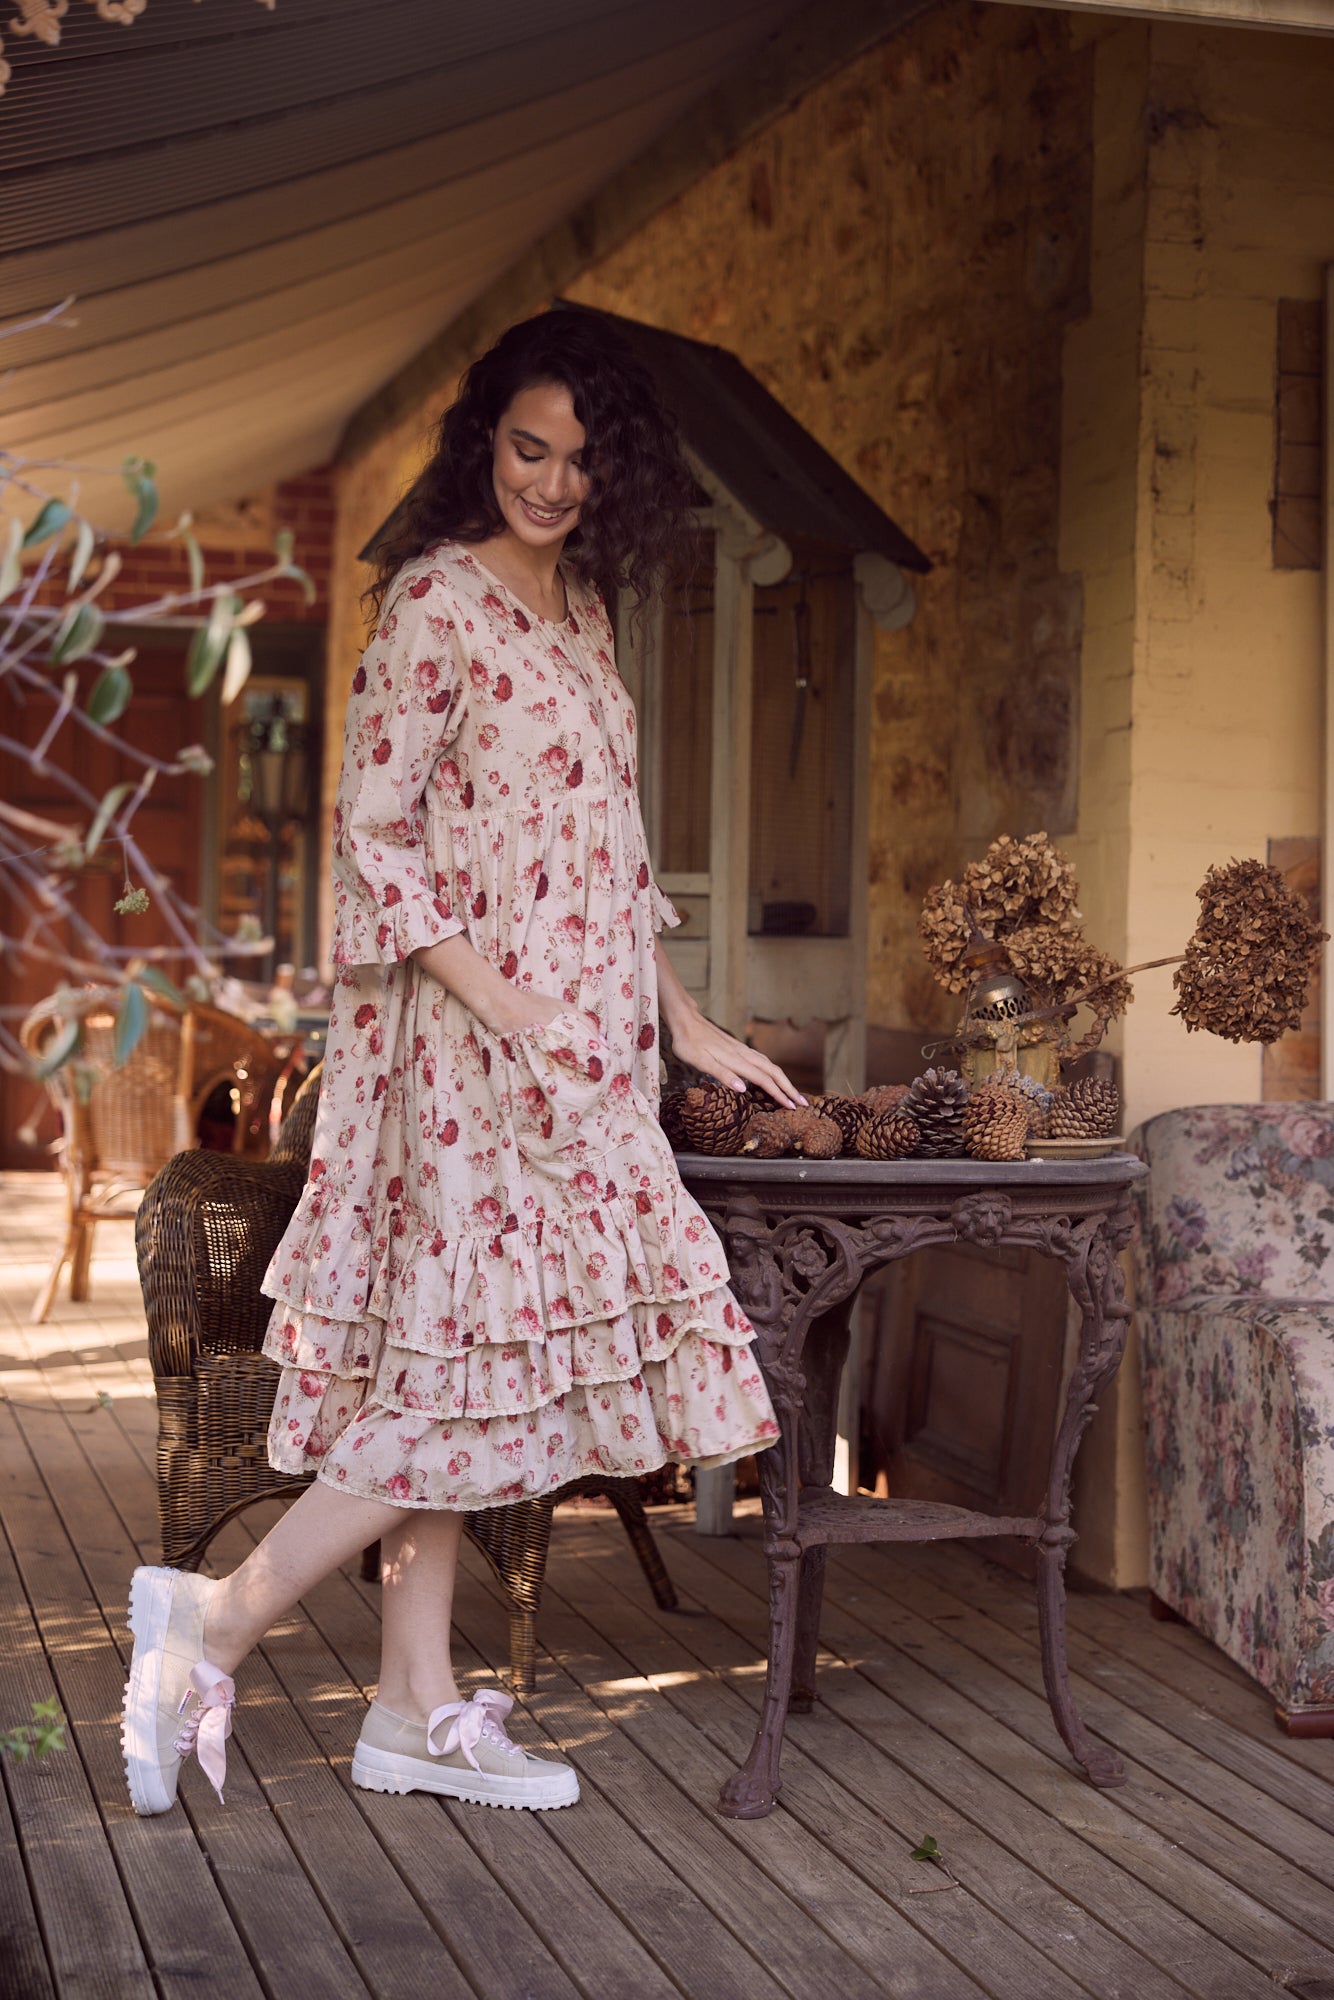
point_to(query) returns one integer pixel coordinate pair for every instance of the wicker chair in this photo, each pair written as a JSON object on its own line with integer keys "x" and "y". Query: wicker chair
{"x": 122, "y": 1121}
{"x": 206, "y": 1230}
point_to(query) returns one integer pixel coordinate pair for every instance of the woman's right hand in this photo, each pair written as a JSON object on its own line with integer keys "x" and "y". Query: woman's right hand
{"x": 484, "y": 989}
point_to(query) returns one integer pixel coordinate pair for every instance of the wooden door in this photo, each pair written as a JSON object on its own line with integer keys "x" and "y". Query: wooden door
{"x": 169, "y": 828}
{"x": 962, "y": 1363}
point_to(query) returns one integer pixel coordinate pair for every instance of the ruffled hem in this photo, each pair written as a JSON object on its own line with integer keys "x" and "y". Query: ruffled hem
{"x": 446, "y": 1295}
{"x": 367, "y": 933}
{"x": 500, "y": 1379}
{"x": 705, "y": 1403}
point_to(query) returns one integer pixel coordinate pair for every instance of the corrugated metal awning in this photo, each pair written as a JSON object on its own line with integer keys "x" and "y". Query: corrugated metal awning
{"x": 264, "y": 215}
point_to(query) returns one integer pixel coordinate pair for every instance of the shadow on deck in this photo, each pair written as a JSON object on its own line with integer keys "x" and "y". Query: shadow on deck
{"x": 1211, "y": 1873}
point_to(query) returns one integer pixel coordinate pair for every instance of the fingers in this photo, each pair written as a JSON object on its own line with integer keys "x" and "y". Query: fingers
{"x": 758, "y": 1069}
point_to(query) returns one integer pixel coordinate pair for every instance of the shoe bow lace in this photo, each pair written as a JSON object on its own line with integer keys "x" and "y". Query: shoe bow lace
{"x": 469, "y": 1722}
{"x": 209, "y": 1723}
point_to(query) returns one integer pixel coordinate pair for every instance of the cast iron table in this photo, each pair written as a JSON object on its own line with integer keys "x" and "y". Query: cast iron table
{"x": 800, "y": 1237}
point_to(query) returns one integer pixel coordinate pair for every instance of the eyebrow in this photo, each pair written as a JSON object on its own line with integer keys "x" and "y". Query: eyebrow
{"x": 530, "y": 437}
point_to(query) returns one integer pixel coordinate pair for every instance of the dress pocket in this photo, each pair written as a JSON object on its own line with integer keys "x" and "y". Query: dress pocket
{"x": 559, "y": 1076}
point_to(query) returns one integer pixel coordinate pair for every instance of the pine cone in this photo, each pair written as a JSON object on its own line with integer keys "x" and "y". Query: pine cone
{"x": 883, "y": 1097}
{"x": 995, "y": 1126}
{"x": 669, "y": 1117}
{"x": 814, "y": 1136}
{"x": 846, "y": 1112}
{"x": 1015, "y": 1089}
{"x": 1089, "y": 1109}
{"x": 1099, "y": 1105}
{"x": 768, "y": 1134}
{"x": 890, "y": 1135}
{"x": 714, "y": 1118}
{"x": 935, "y": 1103}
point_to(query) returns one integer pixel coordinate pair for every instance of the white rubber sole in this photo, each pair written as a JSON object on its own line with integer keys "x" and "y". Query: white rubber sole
{"x": 150, "y": 1609}
{"x": 386, "y": 1771}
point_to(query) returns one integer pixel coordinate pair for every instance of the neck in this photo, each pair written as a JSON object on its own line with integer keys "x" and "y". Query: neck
{"x": 535, "y": 566}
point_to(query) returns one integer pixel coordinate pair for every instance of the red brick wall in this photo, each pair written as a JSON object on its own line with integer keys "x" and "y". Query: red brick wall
{"x": 305, "y": 505}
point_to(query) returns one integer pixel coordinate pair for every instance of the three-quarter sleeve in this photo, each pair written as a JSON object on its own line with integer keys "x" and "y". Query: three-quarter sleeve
{"x": 404, "y": 709}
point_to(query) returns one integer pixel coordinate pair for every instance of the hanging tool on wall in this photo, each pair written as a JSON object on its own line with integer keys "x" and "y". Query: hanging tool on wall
{"x": 801, "y": 669}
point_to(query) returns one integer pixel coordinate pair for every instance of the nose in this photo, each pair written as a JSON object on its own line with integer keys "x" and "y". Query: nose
{"x": 553, "y": 484}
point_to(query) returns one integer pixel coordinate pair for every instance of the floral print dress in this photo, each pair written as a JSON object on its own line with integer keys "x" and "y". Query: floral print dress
{"x": 495, "y": 1282}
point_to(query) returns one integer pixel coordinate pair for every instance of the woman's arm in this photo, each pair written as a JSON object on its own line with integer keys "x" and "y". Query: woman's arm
{"x": 711, "y": 1049}
{"x": 460, "y": 968}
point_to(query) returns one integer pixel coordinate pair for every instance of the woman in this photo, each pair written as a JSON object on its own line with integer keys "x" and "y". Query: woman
{"x": 495, "y": 1282}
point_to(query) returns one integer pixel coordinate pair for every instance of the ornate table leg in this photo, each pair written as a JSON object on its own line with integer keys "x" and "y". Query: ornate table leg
{"x": 751, "y": 1792}
{"x": 1095, "y": 1280}
{"x": 824, "y": 1357}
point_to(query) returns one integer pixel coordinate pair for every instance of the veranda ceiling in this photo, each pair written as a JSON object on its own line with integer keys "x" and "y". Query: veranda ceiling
{"x": 264, "y": 215}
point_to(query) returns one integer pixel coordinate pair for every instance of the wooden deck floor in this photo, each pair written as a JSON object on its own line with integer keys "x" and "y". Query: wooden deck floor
{"x": 1211, "y": 1873}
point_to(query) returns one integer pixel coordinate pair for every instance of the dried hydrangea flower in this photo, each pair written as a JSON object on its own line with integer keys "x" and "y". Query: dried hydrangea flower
{"x": 1249, "y": 961}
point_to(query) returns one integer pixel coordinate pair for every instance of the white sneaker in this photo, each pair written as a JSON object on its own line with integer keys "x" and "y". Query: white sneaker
{"x": 463, "y": 1752}
{"x": 169, "y": 1675}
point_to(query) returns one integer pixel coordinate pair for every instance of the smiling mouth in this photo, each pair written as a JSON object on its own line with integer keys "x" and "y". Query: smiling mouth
{"x": 545, "y": 517}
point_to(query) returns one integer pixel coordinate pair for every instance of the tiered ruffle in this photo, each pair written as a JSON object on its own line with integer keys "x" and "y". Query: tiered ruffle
{"x": 469, "y": 1372}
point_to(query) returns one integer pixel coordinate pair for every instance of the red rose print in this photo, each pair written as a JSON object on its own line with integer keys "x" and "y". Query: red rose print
{"x": 392, "y": 894}
{"x": 381, "y": 1085}
{"x": 383, "y": 751}
{"x": 359, "y": 681}
{"x": 383, "y": 934}
{"x": 595, "y": 1068}
{"x": 504, "y": 687}
{"x": 420, "y": 587}
{"x": 364, "y": 1015}
{"x": 509, "y": 965}
{"x": 468, "y": 796}
{"x": 573, "y": 623}
{"x": 643, "y": 1202}
{"x": 442, "y": 908}
{"x": 449, "y": 1132}
{"x": 418, "y": 1047}
{"x": 486, "y": 1060}
{"x": 398, "y": 1487}
{"x": 542, "y": 886}
{"x": 576, "y": 774}
{"x": 642, "y": 878}
{"x": 492, "y": 603}
{"x": 479, "y": 903}
{"x": 317, "y": 1167}
{"x": 438, "y": 703}
{"x": 395, "y": 1188}
{"x": 648, "y": 1035}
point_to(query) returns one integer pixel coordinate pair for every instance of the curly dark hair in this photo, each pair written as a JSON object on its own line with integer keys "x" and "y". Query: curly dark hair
{"x": 632, "y": 530}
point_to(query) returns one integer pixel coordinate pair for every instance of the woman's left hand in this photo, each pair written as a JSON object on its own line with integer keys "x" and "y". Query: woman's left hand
{"x": 712, "y": 1050}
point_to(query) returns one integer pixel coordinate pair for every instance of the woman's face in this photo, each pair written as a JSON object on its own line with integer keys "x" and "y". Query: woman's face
{"x": 537, "y": 465}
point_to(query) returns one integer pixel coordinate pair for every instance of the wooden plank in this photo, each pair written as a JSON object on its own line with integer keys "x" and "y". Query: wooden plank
{"x": 249, "y": 1880}
{"x": 24, "y": 1971}
{"x": 435, "y": 1846}
{"x": 949, "y": 1687}
{"x": 607, "y": 1839}
{"x": 1145, "y": 1933}
{"x": 1147, "y": 1849}
{"x": 847, "y": 1794}
{"x": 1232, "y": 1803}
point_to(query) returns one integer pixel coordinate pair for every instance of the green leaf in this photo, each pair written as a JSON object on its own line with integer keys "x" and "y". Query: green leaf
{"x": 50, "y": 520}
{"x": 927, "y": 1849}
{"x": 150, "y": 976}
{"x": 110, "y": 696}
{"x": 194, "y": 555}
{"x": 138, "y": 476}
{"x": 298, "y": 575}
{"x": 11, "y": 567}
{"x": 58, "y": 1050}
{"x": 210, "y": 643}
{"x": 111, "y": 803}
{"x": 238, "y": 666}
{"x": 83, "y": 551}
{"x": 131, "y": 1020}
{"x": 283, "y": 543}
{"x": 46, "y": 1711}
{"x": 78, "y": 633}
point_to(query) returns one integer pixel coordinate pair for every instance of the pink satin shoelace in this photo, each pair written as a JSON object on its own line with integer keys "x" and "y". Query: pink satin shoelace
{"x": 469, "y": 1722}
{"x": 209, "y": 1723}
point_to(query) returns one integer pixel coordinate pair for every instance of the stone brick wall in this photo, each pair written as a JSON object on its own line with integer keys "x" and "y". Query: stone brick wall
{"x": 898, "y": 259}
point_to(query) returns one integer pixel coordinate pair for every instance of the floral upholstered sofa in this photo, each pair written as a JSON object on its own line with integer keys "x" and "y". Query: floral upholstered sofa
{"x": 1236, "y": 1321}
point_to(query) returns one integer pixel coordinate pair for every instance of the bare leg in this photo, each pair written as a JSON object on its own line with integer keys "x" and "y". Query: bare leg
{"x": 318, "y": 1532}
{"x": 418, "y": 1561}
